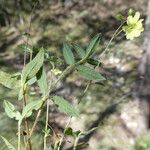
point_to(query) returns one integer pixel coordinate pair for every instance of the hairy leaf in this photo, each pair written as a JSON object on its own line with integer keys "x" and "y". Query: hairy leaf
{"x": 65, "y": 107}
{"x": 89, "y": 73}
{"x": 93, "y": 44}
{"x": 10, "y": 110}
{"x": 27, "y": 110}
{"x": 42, "y": 81}
{"x": 32, "y": 81}
{"x": 7, "y": 143}
{"x": 33, "y": 66}
{"x": 68, "y": 55}
{"x": 80, "y": 51}
{"x": 8, "y": 80}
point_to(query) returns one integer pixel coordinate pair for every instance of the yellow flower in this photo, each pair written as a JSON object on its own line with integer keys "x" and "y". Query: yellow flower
{"x": 134, "y": 26}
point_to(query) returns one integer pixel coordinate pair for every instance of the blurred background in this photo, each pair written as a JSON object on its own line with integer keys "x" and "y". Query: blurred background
{"x": 119, "y": 108}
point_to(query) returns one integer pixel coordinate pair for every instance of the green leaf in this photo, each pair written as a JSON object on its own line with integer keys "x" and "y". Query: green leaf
{"x": 93, "y": 62}
{"x": 33, "y": 105}
{"x": 9, "y": 146}
{"x": 131, "y": 12}
{"x": 77, "y": 133}
{"x": 68, "y": 55}
{"x": 33, "y": 66}
{"x": 93, "y": 44}
{"x": 32, "y": 81}
{"x": 10, "y": 110}
{"x": 82, "y": 146}
{"x": 89, "y": 73}
{"x": 65, "y": 107}
{"x": 120, "y": 17}
{"x": 8, "y": 80}
{"x": 80, "y": 51}
{"x": 68, "y": 131}
{"x": 42, "y": 81}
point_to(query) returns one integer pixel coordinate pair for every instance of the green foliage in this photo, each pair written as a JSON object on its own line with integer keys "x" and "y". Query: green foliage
{"x": 33, "y": 66}
{"x": 80, "y": 51}
{"x": 131, "y": 12}
{"x": 42, "y": 81}
{"x": 34, "y": 72}
{"x": 68, "y": 55}
{"x": 27, "y": 110}
{"x": 8, "y": 80}
{"x": 94, "y": 62}
{"x": 65, "y": 107}
{"x": 82, "y": 146}
{"x": 9, "y": 146}
{"x": 143, "y": 143}
{"x": 11, "y": 111}
{"x": 93, "y": 45}
{"x": 32, "y": 81}
{"x": 120, "y": 17}
{"x": 89, "y": 73}
{"x": 30, "y": 71}
{"x": 69, "y": 132}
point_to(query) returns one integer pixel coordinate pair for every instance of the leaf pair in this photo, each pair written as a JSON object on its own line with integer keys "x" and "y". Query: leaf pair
{"x": 11, "y": 111}
{"x": 27, "y": 110}
{"x": 69, "y": 56}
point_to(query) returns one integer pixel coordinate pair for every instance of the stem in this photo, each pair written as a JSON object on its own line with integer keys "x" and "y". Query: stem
{"x": 19, "y": 138}
{"x": 46, "y": 125}
{"x": 35, "y": 122}
{"x": 116, "y": 33}
{"x": 75, "y": 143}
{"x": 28, "y": 142}
{"x": 24, "y": 99}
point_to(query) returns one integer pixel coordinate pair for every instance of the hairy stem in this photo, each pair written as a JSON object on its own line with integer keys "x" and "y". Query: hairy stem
{"x": 35, "y": 122}
{"x": 19, "y": 138}
{"x": 116, "y": 33}
{"x": 28, "y": 142}
{"x": 75, "y": 143}
{"x": 46, "y": 125}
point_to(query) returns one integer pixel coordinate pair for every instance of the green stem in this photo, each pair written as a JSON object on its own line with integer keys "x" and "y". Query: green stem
{"x": 75, "y": 143}
{"x": 112, "y": 38}
{"x": 46, "y": 125}
{"x": 19, "y": 138}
